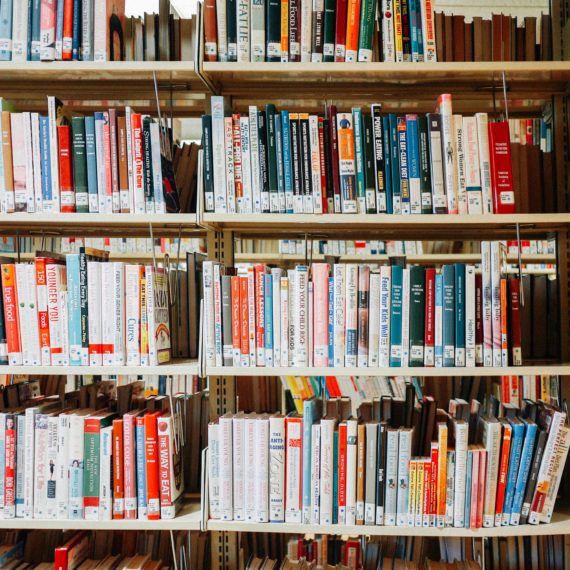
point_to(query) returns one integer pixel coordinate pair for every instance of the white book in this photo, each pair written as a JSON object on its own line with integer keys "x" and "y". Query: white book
{"x": 291, "y": 310}
{"x": 469, "y": 316}
{"x": 222, "y": 30}
{"x": 459, "y": 136}
{"x": 208, "y": 319}
{"x": 391, "y": 500}
{"x": 56, "y": 283}
{"x": 385, "y": 301}
{"x": 53, "y": 205}
{"x": 404, "y": 456}
{"x": 28, "y": 316}
{"x": 249, "y": 468}
{"x": 351, "y": 461}
{"x": 238, "y": 443}
{"x": 119, "y": 346}
{"x": 461, "y": 435}
{"x": 61, "y": 467}
{"x": 276, "y": 469}
{"x": 41, "y": 465}
{"x": 226, "y": 467}
{"x": 374, "y": 320}
{"x": 219, "y": 154}
{"x": 496, "y": 250}
{"x": 261, "y": 442}
{"x": 20, "y": 27}
{"x": 243, "y": 31}
{"x": 293, "y": 470}
{"x": 492, "y": 444}
{"x": 257, "y": 27}
{"x": 439, "y": 199}
{"x": 487, "y": 300}
{"x": 218, "y": 315}
{"x": 339, "y": 274}
{"x": 254, "y": 155}
{"x": 300, "y": 316}
{"x": 449, "y": 153}
{"x": 327, "y": 470}
{"x": 132, "y": 314}
{"x": 251, "y": 315}
{"x": 484, "y": 161}
{"x": 472, "y": 172}
{"x": 284, "y": 310}
{"x": 351, "y": 316}
{"x": 428, "y": 29}
{"x": 310, "y": 326}
{"x": 276, "y": 313}
{"x": 105, "y": 474}
{"x": 37, "y": 162}
{"x": 94, "y": 300}
{"x": 306, "y": 29}
{"x": 406, "y": 318}
{"x": 247, "y": 204}
{"x": 315, "y": 164}
{"x": 29, "y": 462}
{"x": 64, "y": 310}
{"x": 20, "y": 463}
{"x": 315, "y": 509}
{"x": 371, "y": 473}
{"x": 108, "y": 313}
{"x": 214, "y": 470}
{"x": 230, "y": 172}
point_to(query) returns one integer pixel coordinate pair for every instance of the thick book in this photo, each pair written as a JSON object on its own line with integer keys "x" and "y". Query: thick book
{"x": 501, "y": 168}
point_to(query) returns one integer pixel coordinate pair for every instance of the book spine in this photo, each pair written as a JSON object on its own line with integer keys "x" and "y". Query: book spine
{"x": 461, "y": 434}
{"x": 214, "y": 470}
{"x": 347, "y": 167}
{"x": 327, "y": 468}
{"x": 470, "y": 324}
{"x": 238, "y": 443}
{"x": 306, "y": 25}
{"x": 501, "y": 168}
{"x": 367, "y": 24}
{"x": 15, "y": 356}
{"x": 438, "y": 186}
{"x": 19, "y": 32}
{"x": 76, "y": 464}
{"x": 374, "y": 320}
{"x": 413, "y": 151}
{"x": 406, "y": 318}
{"x": 276, "y": 469}
{"x": 492, "y": 444}
{"x": 118, "y": 470}
{"x": 404, "y": 455}
{"x": 472, "y": 172}
{"x": 9, "y": 511}
{"x": 449, "y": 315}
{"x": 460, "y": 173}
{"x": 425, "y": 171}
{"x": 396, "y": 304}
{"x": 403, "y": 165}
{"x": 130, "y": 466}
{"x": 385, "y": 316}
{"x": 293, "y": 477}
{"x": 243, "y": 31}
{"x": 371, "y": 474}
{"x": 438, "y": 333}
{"x": 351, "y": 316}
{"x": 459, "y": 314}
{"x": 91, "y": 471}
{"x": 339, "y": 314}
{"x": 391, "y": 477}
{"x": 484, "y": 161}
{"x": 496, "y": 302}
{"x": 105, "y": 480}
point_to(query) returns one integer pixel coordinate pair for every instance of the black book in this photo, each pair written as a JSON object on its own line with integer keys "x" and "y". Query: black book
{"x": 272, "y": 159}
{"x": 533, "y": 475}
{"x": 328, "y": 167}
{"x": 369, "y": 182}
{"x": 406, "y": 27}
{"x": 208, "y": 173}
{"x": 231, "y": 29}
{"x": 379, "y": 162}
{"x": 305, "y": 156}
{"x": 381, "y": 470}
{"x": 318, "y": 34}
{"x": 273, "y": 30}
{"x": 296, "y": 164}
{"x": 147, "y": 161}
{"x": 425, "y": 175}
{"x": 263, "y": 159}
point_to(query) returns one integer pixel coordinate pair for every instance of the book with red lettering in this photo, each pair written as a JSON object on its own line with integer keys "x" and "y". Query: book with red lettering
{"x": 293, "y": 469}
{"x": 260, "y": 314}
{"x": 515, "y": 322}
{"x": 320, "y": 317}
{"x": 501, "y": 168}
{"x": 11, "y": 317}
{"x": 429, "y": 351}
{"x": 342, "y": 473}
{"x": 244, "y": 320}
{"x": 151, "y": 452}
{"x": 171, "y": 481}
{"x": 67, "y": 191}
{"x": 118, "y": 471}
{"x": 503, "y": 469}
{"x": 43, "y": 321}
{"x": 137, "y": 161}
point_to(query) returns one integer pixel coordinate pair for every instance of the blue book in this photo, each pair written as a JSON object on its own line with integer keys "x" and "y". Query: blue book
{"x": 413, "y": 14}
{"x": 73, "y": 308}
{"x": 395, "y": 162}
{"x": 141, "y": 468}
{"x": 414, "y": 176}
{"x": 287, "y": 164}
{"x": 438, "y": 310}
{"x": 309, "y": 418}
{"x": 45, "y": 152}
{"x": 359, "y": 159}
{"x": 387, "y": 164}
{"x": 459, "y": 314}
{"x": 35, "y": 31}
{"x": 59, "y": 31}
{"x": 421, "y": 55}
{"x": 403, "y": 171}
{"x": 448, "y": 272}
{"x": 524, "y": 470}
{"x": 514, "y": 461}
{"x": 468, "y": 485}
{"x": 91, "y": 158}
{"x": 76, "y": 38}
{"x": 396, "y": 316}
{"x": 162, "y": 385}
{"x": 268, "y": 304}
{"x": 6, "y": 29}
{"x": 335, "y": 479}
{"x": 279, "y": 153}
{"x": 331, "y": 322}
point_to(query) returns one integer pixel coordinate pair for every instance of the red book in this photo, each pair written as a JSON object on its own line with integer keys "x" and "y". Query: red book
{"x": 244, "y": 320}
{"x": 43, "y": 318}
{"x": 11, "y": 317}
{"x": 67, "y": 190}
{"x": 427, "y": 493}
{"x": 118, "y": 477}
{"x": 505, "y": 390}
{"x": 474, "y": 488}
{"x": 429, "y": 333}
{"x": 501, "y": 168}
{"x": 333, "y": 387}
{"x": 323, "y": 165}
{"x": 152, "y": 482}
{"x": 10, "y": 467}
{"x": 478, "y": 319}
{"x": 236, "y": 325}
{"x": 73, "y": 552}
{"x": 342, "y": 473}
{"x": 108, "y": 169}
{"x": 334, "y": 159}
{"x": 67, "y": 29}
{"x": 260, "y": 314}
{"x": 515, "y": 322}
{"x": 528, "y": 132}
{"x": 503, "y": 469}
{"x": 236, "y": 143}
{"x": 340, "y": 36}
{"x": 433, "y": 483}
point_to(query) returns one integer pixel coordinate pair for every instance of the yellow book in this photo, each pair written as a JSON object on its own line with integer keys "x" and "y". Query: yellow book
{"x": 419, "y": 491}
{"x": 412, "y": 492}
{"x": 398, "y": 42}
{"x": 144, "y": 321}
{"x": 441, "y": 473}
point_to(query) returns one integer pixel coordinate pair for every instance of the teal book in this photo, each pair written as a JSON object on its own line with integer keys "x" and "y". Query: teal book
{"x": 459, "y": 314}
{"x": 517, "y": 438}
{"x": 468, "y": 485}
{"x": 524, "y": 470}
{"x": 309, "y": 418}
{"x": 448, "y": 272}
{"x": 329, "y": 30}
{"x": 335, "y": 478}
{"x": 417, "y": 315}
{"x": 359, "y": 159}
{"x": 74, "y": 308}
{"x": 272, "y": 159}
{"x": 91, "y": 158}
{"x": 396, "y": 316}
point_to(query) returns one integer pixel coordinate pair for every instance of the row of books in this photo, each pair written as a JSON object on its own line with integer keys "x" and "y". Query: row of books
{"x": 88, "y": 30}
{"x": 102, "y": 163}
{"x": 426, "y": 467}
{"x": 356, "y": 162}
{"x": 351, "y": 316}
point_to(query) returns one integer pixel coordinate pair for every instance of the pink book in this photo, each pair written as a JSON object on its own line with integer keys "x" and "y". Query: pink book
{"x": 108, "y": 171}
{"x": 129, "y": 465}
{"x": 19, "y": 162}
{"x": 47, "y": 30}
{"x": 320, "y": 313}
{"x": 474, "y": 489}
{"x": 481, "y": 485}
{"x": 311, "y": 323}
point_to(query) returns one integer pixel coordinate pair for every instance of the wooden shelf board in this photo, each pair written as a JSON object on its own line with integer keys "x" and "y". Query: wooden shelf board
{"x": 385, "y": 225}
{"x": 560, "y": 525}
{"x": 105, "y": 225}
{"x": 551, "y": 369}
{"x": 189, "y": 518}
{"x": 187, "y": 367}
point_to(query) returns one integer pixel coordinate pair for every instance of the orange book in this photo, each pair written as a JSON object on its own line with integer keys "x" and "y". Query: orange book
{"x": 503, "y": 469}
{"x": 210, "y": 31}
{"x": 284, "y": 30}
{"x": 118, "y": 478}
{"x": 441, "y": 473}
{"x": 260, "y": 270}
{"x": 244, "y": 321}
{"x": 236, "y": 325}
{"x": 360, "y": 469}
{"x": 12, "y": 321}
{"x": 352, "y": 28}
{"x": 67, "y": 29}
{"x": 42, "y": 305}
{"x": 504, "y": 324}
{"x": 151, "y": 448}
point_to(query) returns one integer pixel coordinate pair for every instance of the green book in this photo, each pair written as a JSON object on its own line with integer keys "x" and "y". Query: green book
{"x": 272, "y": 159}
{"x": 359, "y": 159}
{"x": 79, "y": 164}
{"x": 417, "y": 314}
{"x": 425, "y": 174}
{"x": 367, "y": 20}
{"x": 369, "y": 157}
{"x": 329, "y": 30}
